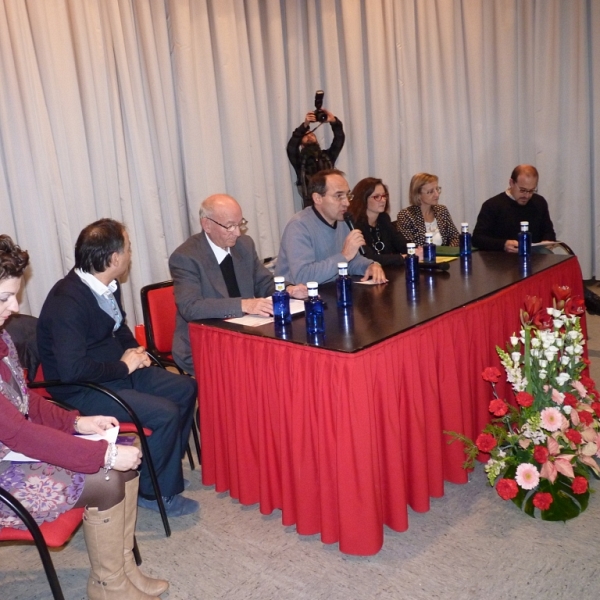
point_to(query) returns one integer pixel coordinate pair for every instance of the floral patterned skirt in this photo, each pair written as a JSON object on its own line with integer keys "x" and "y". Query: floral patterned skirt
{"x": 44, "y": 490}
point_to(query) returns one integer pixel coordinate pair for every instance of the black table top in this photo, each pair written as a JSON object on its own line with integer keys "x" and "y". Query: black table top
{"x": 381, "y": 311}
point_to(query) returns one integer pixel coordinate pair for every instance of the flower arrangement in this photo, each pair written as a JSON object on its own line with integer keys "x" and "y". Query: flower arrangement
{"x": 542, "y": 452}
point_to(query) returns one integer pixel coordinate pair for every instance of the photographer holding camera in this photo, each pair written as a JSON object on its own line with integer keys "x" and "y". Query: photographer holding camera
{"x": 304, "y": 150}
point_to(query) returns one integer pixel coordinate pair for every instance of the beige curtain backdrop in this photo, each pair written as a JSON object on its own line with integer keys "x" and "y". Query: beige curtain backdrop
{"x": 139, "y": 109}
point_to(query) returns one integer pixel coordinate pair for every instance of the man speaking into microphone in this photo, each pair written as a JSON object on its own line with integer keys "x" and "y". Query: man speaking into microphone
{"x": 316, "y": 239}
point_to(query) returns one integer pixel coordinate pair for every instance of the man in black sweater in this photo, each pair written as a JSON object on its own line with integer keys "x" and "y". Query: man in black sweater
{"x": 498, "y": 223}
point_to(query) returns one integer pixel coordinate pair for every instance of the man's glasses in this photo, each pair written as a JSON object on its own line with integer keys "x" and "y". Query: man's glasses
{"x": 528, "y": 192}
{"x": 231, "y": 228}
{"x": 343, "y": 196}
{"x": 437, "y": 189}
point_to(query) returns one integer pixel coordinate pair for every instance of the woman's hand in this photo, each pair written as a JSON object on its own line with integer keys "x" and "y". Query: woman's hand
{"x": 128, "y": 458}
{"x": 97, "y": 424}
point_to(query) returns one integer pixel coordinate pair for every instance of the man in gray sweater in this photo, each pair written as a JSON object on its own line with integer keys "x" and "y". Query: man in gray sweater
{"x": 314, "y": 241}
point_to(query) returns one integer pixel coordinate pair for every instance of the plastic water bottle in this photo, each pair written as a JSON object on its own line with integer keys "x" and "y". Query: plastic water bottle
{"x": 524, "y": 239}
{"x": 343, "y": 285}
{"x": 411, "y": 263}
{"x": 429, "y": 248}
{"x": 465, "y": 240}
{"x": 313, "y": 310}
{"x": 281, "y": 303}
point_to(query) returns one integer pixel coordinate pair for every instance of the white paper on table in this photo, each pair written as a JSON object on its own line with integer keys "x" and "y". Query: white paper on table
{"x": 110, "y": 435}
{"x": 296, "y": 307}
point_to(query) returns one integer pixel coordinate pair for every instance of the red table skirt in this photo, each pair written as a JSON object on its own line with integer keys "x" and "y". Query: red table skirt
{"x": 344, "y": 443}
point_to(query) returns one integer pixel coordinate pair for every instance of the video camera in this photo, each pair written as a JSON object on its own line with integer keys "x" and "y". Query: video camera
{"x": 320, "y": 114}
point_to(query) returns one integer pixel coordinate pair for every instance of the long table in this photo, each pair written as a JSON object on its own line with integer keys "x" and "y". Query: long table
{"x": 345, "y": 435}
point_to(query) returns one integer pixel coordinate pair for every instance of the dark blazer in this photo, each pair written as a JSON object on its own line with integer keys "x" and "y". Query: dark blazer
{"x": 75, "y": 336}
{"x": 200, "y": 290}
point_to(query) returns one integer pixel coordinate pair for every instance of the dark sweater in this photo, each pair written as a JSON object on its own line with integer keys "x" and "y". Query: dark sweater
{"x": 75, "y": 336}
{"x": 394, "y": 242}
{"x": 500, "y": 217}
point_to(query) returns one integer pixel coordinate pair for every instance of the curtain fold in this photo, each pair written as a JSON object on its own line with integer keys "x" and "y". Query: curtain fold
{"x": 139, "y": 109}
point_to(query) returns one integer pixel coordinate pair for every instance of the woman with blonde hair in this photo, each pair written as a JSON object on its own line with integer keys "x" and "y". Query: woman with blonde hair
{"x": 425, "y": 215}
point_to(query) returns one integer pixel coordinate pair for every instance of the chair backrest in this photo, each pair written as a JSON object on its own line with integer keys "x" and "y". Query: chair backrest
{"x": 158, "y": 306}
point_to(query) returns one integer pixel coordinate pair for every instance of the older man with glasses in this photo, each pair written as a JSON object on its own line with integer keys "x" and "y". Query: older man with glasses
{"x": 217, "y": 274}
{"x": 498, "y": 223}
{"x": 314, "y": 241}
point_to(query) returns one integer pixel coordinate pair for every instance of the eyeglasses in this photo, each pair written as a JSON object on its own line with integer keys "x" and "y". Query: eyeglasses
{"x": 528, "y": 192}
{"x": 437, "y": 189}
{"x": 343, "y": 196}
{"x": 231, "y": 228}
{"x": 378, "y": 197}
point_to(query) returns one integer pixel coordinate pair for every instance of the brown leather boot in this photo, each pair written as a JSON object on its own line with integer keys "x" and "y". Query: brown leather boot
{"x": 153, "y": 587}
{"x": 103, "y": 533}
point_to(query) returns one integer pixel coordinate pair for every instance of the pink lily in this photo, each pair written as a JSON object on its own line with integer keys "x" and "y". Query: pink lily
{"x": 559, "y": 463}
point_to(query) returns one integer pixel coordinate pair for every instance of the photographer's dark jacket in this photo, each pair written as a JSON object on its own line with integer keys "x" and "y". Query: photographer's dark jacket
{"x": 330, "y": 155}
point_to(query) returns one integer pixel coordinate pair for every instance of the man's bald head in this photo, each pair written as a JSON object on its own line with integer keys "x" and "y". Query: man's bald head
{"x": 221, "y": 219}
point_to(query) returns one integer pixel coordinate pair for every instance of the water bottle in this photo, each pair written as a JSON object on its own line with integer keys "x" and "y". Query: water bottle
{"x": 313, "y": 310}
{"x": 343, "y": 284}
{"x": 411, "y": 263}
{"x": 465, "y": 240}
{"x": 281, "y": 303}
{"x": 429, "y": 248}
{"x": 524, "y": 239}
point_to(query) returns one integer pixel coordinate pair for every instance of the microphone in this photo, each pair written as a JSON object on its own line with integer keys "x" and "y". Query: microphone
{"x": 433, "y": 266}
{"x": 350, "y": 223}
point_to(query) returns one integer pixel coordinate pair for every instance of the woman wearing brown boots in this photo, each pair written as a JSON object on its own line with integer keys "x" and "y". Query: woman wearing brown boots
{"x": 72, "y": 472}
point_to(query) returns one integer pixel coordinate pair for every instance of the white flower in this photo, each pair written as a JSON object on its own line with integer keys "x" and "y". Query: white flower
{"x": 565, "y": 360}
{"x": 573, "y": 334}
{"x": 567, "y": 409}
{"x": 535, "y": 343}
{"x": 514, "y": 340}
{"x": 559, "y": 343}
{"x": 543, "y": 364}
{"x": 516, "y": 357}
{"x": 578, "y": 349}
{"x": 562, "y": 378}
{"x": 557, "y": 323}
{"x": 570, "y": 349}
{"x": 543, "y": 374}
{"x": 550, "y": 353}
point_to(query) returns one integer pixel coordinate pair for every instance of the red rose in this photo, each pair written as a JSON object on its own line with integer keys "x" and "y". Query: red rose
{"x": 540, "y": 454}
{"x": 507, "y": 489}
{"x": 574, "y": 436}
{"x": 498, "y": 408}
{"x": 596, "y": 408}
{"x": 542, "y": 320}
{"x": 579, "y": 485}
{"x": 491, "y": 374}
{"x": 574, "y": 306}
{"x": 585, "y": 417}
{"x": 524, "y": 399}
{"x": 486, "y": 442}
{"x": 542, "y": 500}
{"x": 570, "y": 400}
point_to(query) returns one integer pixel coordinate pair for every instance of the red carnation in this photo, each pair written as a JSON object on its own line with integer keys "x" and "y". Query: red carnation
{"x": 570, "y": 400}
{"x": 574, "y": 306}
{"x": 596, "y": 408}
{"x": 574, "y": 436}
{"x": 585, "y": 417}
{"x": 579, "y": 485}
{"x": 588, "y": 382}
{"x": 491, "y": 374}
{"x": 542, "y": 500}
{"x": 507, "y": 489}
{"x": 540, "y": 454}
{"x": 498, "y": 407}
{"x": 524, "y": 399}
{"x": 486, "y": 442}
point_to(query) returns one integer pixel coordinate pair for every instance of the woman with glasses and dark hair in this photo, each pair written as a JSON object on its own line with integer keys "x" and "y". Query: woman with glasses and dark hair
{"x": 68, "y": 471}
{"x": 425, "y": 215}
{"x": 369, "y": 209}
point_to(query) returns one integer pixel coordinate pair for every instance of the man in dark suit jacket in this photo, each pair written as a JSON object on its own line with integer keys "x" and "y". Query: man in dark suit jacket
{"x": 82, "y": 336}
{"x": 217, "y": 274}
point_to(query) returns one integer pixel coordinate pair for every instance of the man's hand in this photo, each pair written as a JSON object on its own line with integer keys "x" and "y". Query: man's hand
{"x": 375, "y": 272}
{"x": 309, "y": 118}
{"x": 298, "y": 291}
{"x": 97, "y": 424}
{"x": 136, "y": 358}
{"x": 354, "y": 240}
{"x": 330, "y": 116}
{"x": 128, "y": 458}
{"x": 258, "y": 306}
{"x": 511, "y": 246}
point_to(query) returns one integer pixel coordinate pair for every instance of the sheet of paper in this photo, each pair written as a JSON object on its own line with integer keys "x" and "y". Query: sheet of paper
{"x": 296, "y": 307}
{"x": 109, "y": 435}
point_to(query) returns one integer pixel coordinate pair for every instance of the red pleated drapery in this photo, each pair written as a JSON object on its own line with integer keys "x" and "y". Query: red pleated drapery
{"x": 344, "y": 443}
